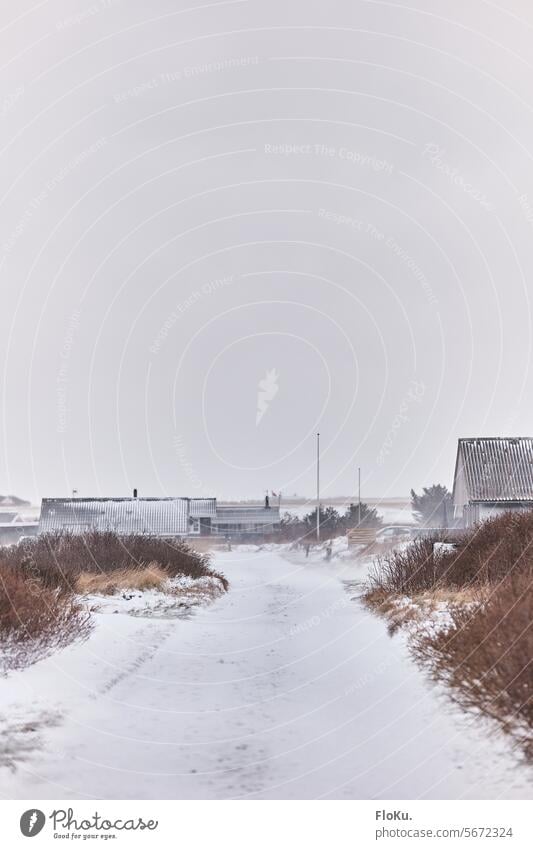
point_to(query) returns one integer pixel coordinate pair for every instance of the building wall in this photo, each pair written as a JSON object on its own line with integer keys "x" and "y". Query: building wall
{"x": 480, "y": 512}
{"x": 242, "y": 520}
{"x": 243, "y": 528}
{"x": 460, "y": 496}
{"x": 11, "y": 534}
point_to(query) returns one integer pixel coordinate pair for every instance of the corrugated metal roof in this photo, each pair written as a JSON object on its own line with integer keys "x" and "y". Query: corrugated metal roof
{"x": 202, "y": 507}
{"x": 498, "y": 469}
{"x": 158, "y": 516}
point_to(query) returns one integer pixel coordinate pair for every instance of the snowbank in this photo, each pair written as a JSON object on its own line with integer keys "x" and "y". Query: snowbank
{"x": 177, "y": 598}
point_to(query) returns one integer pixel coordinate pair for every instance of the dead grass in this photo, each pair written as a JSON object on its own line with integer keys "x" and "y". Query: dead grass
{"x": 486, "y": 655}
{"x": 384, "y": 602}
{"x": 204, "y": 590}
{"x": 483, "y": 647}
{"x": 35, "y": 620}
{"x": 151, "y": 577}
{"x": 454, "y": 596}
{"x": 405, "y": 611}
{"x": 58, "y": 559}
{"x": 40, "y": 577}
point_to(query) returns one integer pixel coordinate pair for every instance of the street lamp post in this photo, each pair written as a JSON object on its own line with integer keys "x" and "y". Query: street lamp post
{"x": 318, "y": 487}
{"x": 359, "y": 493}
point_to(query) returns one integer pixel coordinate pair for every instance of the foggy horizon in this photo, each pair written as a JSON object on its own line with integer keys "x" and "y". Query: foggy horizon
{"x": 228, "y": 227}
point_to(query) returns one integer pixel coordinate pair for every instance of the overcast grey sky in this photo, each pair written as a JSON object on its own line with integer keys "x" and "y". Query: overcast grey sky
{"x": 225, "y": 226}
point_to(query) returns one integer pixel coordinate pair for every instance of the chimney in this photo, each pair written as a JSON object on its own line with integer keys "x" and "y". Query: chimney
{"x": 135, "y": 493}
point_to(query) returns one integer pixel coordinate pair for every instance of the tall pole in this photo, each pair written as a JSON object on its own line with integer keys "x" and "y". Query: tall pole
{"x": 359, "y": 491}
{"x": 318, "y": 487}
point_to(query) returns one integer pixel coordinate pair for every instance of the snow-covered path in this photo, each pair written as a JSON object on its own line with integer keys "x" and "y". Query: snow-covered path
{"x": 284, "y": 688}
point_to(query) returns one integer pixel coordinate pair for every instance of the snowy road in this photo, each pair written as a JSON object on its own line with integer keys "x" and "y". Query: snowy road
{"x": 284, "y": 688}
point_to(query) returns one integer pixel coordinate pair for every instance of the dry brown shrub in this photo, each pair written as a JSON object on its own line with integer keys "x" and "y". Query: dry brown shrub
{"x": 486, "y": 584}
{"x": 486, "y": 655}
{"x": 35, "y": 620}
{"x": 40, "y": 576}
{"x": 484, "y": 554}
{"x": 58, "y": 559}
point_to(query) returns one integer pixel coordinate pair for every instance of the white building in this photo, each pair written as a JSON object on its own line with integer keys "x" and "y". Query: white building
{"x": 493, "y": 475}
{"x": 245, "y": 521}
{"x": 164, "y": 517}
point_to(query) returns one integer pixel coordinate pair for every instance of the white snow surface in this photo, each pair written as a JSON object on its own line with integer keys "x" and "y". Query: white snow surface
{"x": 285, "y": 687}
{"x": 179, "y": 598}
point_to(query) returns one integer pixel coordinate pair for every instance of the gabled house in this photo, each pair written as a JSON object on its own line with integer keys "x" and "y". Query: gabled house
{"x": 493, "y": 475}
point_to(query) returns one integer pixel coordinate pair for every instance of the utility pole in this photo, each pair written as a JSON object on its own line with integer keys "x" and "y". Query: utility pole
{"x": 318, "y": 487}
{"x": 359, "y": 492}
